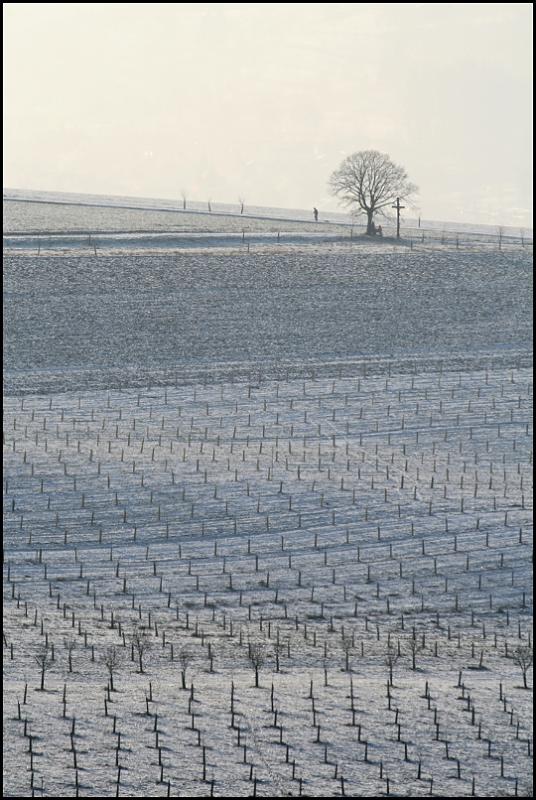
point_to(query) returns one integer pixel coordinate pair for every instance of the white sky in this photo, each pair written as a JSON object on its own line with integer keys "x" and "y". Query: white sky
{"x": 264, "y": 100}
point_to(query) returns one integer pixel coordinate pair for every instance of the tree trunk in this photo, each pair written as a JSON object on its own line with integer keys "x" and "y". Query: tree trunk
{"x": 43, "y": 670}
{"x": 370, "y": 223}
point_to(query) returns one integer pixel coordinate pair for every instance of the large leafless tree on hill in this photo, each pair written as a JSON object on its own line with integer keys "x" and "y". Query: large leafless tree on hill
{"x": 372, "y": 182}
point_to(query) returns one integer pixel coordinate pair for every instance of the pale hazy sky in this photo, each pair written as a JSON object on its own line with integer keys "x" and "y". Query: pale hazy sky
{"x": 264, "y": 100}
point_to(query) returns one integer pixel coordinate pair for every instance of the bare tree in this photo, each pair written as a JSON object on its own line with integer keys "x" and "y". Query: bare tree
{"x": 372, "y": 182}
{"x": 347, "y": 643}
{"x": 414, "y": 647}
{"x": 279, "y": 649}
{"x": 257, "y": 658}
{"x": 44, "y": 662}
{"x": 111, "y": 660}
{"x": 523, "y": 657}
{"x": 242, "y": 202}
{"x": 141, "y": 643}
{"x": 70, "y": 646}
{"x": 391, "y": 657}
{"x": 185, "y": 658}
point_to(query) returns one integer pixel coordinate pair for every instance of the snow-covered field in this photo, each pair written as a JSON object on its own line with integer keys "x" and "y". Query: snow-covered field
{"x": 66, "y": 210}
{"x": 115, "y": 319}
{"x": 315, "y": 457}
{"x": 47, "y": 217}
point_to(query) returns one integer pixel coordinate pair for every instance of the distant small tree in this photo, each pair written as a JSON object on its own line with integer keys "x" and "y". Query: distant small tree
{"x": 70, "y": 646}
{"x": 414, "y": 647}
{"x": 257, "y": 657}
{"x": 523, "y": 657}
{"x": 242, "y": 202}
{"x": 111, "y": 660}
{"x": 141, "y": 643}
{"x": 347, "y": 643}
{"x": 279, "y": 649}
{"x": 391, "y": 658}
{"x": 370, "y": 181}
{"x": 44, "y": 662}
{"x": 185, "y": 658}
{"x": 184, "y": 198}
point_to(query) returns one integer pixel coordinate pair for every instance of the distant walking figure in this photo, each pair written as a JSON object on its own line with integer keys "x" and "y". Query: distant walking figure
{"x": 315, "y": 214}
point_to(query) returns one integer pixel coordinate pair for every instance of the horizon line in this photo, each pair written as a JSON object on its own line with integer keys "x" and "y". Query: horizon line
{"x": 178, "y": 200}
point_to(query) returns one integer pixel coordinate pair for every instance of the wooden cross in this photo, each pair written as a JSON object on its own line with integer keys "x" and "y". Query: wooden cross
{"x": 398, "y": 209}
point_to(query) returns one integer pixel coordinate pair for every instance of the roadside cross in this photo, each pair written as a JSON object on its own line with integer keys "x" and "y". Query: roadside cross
{"x": 398, "y": 209}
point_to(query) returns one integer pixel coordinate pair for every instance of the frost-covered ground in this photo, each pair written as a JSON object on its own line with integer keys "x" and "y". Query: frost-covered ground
{"x": 304, "y": 511}
{"x": 114, "y": 319}
{"x": 67, "y": 210}
{"x": 46, "y": 217}
{"x": 317, "y": 457}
